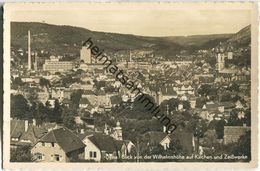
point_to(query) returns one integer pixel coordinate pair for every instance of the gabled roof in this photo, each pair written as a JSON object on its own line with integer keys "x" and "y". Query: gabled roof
{"x": 84, "y": 101}
{"x": 85, "y": 134}
{"x": 103, "y": 142}
{"x": 33, "y": 132}
{"x": 65, "y": 138}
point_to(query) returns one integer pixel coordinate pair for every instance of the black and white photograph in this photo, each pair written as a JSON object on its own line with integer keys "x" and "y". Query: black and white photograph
{"x": 130, "y": 83}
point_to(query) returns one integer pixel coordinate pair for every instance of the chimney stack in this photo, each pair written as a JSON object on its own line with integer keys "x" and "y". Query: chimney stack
{"x": 35, "y": 62}
{"x": 29, "y": 50}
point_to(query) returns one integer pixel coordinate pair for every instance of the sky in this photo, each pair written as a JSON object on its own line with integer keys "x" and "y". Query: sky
{"x": 141, "y": 21}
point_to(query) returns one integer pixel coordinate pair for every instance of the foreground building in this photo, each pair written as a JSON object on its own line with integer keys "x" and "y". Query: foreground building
{"x": 59, "y": 145}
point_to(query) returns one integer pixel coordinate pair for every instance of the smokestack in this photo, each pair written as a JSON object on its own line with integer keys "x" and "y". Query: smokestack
{"x": 29, "y": 50}
{"x": 35, "y": 62}
{"x": 130, "y": 57}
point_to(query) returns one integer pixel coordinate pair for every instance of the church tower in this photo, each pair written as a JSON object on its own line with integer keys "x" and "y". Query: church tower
{"x": 117, "y": 132}
{"x": 230, "y": 51}
{"x": 220, "y": 54}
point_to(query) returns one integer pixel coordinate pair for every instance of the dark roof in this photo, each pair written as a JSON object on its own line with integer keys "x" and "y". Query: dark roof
{"x": 212, "y": 106}
{"x": 119, "y": 143}
{"x": 66, "y": 139}
{"x": 33, "y": 132}
{"x": 103, "y": 142}
{"x": 88, "y": 133}
{"x": 168, "y": 91}
{"x": 227, "y": 104}
{"x": 17, "y": 128}
{"x": 115, "y": 99}
{"x": 88, "y": 120}
{"x": 84, "y": 101}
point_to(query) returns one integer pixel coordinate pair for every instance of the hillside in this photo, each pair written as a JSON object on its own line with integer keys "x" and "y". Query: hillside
{"x": 68, "y": 39}
{"x": 242, "y": 38}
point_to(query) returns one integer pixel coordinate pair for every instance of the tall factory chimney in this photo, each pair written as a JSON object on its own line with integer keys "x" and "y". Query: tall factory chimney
{"x": 29, "y": 50}
{"x": 35, "y": 61}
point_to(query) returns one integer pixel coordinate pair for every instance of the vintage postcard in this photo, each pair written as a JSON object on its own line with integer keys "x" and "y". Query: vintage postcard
{"x": 130, "y": 85}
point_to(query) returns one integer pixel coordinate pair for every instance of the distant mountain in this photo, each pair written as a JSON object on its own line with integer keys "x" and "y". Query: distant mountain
{"x": 68, "y": 39}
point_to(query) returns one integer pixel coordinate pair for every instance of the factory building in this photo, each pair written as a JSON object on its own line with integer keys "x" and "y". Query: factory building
{"x": 55, "y": 65}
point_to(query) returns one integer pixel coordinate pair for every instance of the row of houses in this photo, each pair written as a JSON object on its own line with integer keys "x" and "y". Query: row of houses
{"x": 52, "y": 143}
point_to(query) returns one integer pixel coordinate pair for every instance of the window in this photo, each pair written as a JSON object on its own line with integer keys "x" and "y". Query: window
{"x": 57, "y": 157}
{"x": 52, "y": 144}
{"x": 43, "y": 144}
{"x": 92, "y": 154}
{"x": 39, "y": 156}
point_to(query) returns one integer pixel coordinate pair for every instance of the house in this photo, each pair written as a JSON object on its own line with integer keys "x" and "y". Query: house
{"x": 209, "y": 110}
{"x": 233, "y": 133}
{"x": 115, "y": 100}
{"x": 84, "y": 103}
{"x": 185, "y": 139}
{"x": 166, "y": 93}
{"x": 57, "y": 93}
{"x": 89, "y": 122}
{"x": 51, "y": 102}
{"x": 24, "y": 133}
{"x": 125, "y": 148}
{"x": 240, "y": 105}
{"x": 185, "y": 89}
{"x": 152, "y": 139}
{"x": 66, "y": 102}
{"x": 192, "y": 100}
{"x": 100, "y": 147}
{"x": 58, "y": 145}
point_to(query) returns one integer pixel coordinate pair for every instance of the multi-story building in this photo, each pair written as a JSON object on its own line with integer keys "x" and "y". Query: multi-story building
{"x": 55, "y": 65}
{"x": 85, "y": 55}
{"x": 222, "y": 54}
